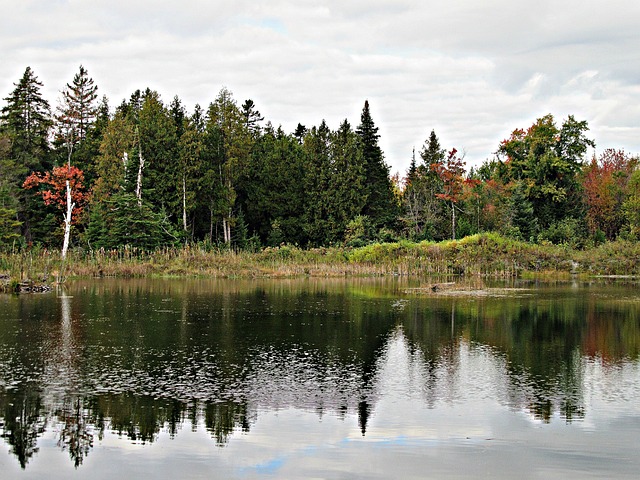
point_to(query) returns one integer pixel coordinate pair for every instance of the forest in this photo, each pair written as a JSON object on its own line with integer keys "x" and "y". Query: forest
{"x": 149, "y": 174}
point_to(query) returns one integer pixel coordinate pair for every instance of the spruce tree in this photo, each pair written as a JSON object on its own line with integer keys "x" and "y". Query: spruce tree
{"x": 380, "y": 206}
{"x": 27, "y": 119}
{"x": 25, "y": 122}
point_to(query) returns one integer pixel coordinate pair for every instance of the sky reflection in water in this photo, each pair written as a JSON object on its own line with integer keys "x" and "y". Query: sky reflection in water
{"x": 319, "y": 379}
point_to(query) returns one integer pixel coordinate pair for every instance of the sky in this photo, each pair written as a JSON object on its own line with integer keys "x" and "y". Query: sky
{"x": 472, "y": 71}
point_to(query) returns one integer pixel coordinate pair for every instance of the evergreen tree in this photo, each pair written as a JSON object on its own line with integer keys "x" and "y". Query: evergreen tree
{"x": 225, "y": 117}
{"x": 424, "y": 215}
{"x": 27, "y": 120}
{"x": 346, "y": 188}
{"x": 380, "y": 206}
{"x": 25, "y": 123}
{"x": 273, "y": 189}
{"x": 252, "y": 117}
{"x": 524, "y": 224}
{"x": 190, "y": 148}
{"x": 317, "y": 148}
{"x": 300, "y": 132}
{"x": 78, "y": 108}
{"x": 119, "y": 220}
{"x": 157, "y": 153}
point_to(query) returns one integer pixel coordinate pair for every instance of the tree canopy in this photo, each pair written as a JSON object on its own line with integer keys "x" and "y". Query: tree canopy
{"x": 150, "y": 174}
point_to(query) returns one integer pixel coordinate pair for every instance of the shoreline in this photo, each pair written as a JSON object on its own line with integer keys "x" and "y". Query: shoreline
{"x": 485, "y": 255}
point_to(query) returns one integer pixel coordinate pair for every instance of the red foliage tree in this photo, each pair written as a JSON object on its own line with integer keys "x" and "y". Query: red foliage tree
{"x": 604, "y": 183}
{"x": 455, "y": 186}
{"x": 52, "y": 187}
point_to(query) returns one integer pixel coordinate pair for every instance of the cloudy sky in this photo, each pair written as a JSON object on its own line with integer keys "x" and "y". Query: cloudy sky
{"x": 471, "y": 70}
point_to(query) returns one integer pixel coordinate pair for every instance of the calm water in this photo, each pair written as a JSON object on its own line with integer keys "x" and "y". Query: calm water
{"x": 320, "y": 379}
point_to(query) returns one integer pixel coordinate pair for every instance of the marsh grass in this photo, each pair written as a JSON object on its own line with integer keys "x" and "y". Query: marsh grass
{"x": 483, "y": 255}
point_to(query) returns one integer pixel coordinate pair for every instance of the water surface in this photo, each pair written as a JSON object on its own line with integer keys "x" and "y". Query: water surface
{"x": 310, "y": 378}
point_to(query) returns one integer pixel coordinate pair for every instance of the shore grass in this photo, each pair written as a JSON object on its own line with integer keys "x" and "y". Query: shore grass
{"x": 487, "y": 254}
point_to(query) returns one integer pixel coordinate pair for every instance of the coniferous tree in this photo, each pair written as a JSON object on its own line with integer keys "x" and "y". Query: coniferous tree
{"x": 380, "y": 206}
{"x": 25, "y": 122}
{"x": 300, "y": 132}
{"x": 424, "y": 214}
{"x": 273, "y": 190}
{"x": 252, "y": 118}
{"x": 78, "y": 108}
{"x": 317, "y": 145}
{"x": 346, "y": 190}
{"x": 158, "y": 148}
{"x": 120, "y": 220}
{"x": 190, "y": 148}
{"x": 234, "y": 148}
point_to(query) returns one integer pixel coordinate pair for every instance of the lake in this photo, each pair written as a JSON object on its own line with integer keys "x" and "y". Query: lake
{"x": 321, "y": 378}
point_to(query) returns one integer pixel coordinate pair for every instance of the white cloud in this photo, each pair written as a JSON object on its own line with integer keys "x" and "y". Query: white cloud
{"x": 472, "y": 71}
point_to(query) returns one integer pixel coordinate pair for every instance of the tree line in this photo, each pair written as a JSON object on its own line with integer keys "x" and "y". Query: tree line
{"x": 151, "y": 174}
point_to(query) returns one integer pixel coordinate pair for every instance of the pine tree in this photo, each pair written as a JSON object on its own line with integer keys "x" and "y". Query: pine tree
{"x": 252, "y": 117}
{"x": 25, "y": 123}
{"x": 380, "y": 206}
{"x": 78, "y": 108}
{"x": 27, "y": 120}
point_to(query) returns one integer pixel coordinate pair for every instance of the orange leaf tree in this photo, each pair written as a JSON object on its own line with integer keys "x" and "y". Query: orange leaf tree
{"x": 52, "y": 187}
{"x": 452, "y": 174}
{"x": 604, "y": 183}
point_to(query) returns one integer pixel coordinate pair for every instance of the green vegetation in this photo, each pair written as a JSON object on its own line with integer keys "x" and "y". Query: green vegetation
{"x": 150, "y": 188}
{"x": 487, "y": 255}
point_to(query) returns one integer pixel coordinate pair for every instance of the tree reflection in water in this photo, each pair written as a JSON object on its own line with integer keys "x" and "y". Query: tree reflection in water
{"x": 141, "y": 362}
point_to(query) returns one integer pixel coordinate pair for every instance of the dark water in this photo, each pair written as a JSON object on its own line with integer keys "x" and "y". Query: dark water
{"x": 320, "y": 379}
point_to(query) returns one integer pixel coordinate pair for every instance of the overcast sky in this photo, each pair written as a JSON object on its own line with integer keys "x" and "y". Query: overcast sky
{"x": 472, "y": 70}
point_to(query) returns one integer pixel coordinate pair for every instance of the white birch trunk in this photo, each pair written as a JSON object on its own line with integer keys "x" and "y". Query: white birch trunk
{"x": 139, "y": 179}
{"x": 125, "y": 164}
{"x": 453, "y": 220}
{"x": 226, "y": 230}
{"x": 184, "y": 202}
{"x": 67, "y": 222}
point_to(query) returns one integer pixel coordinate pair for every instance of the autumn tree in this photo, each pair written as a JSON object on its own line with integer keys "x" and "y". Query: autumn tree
{"x": 631, "y": 205}
{"x": 64, "y": 188}
{"x": 546, "y": 160}
{"x": 452, "y": 174}
{"x": 605, "y": 180}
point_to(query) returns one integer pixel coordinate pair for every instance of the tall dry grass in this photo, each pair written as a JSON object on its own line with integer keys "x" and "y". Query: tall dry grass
{"x": 478, "y": 255}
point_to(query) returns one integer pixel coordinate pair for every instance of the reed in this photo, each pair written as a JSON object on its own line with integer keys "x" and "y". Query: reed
{"x": 484, "y": 255}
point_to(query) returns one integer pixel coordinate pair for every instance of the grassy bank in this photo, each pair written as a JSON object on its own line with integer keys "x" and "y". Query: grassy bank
{"x": 478, "y": 255}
